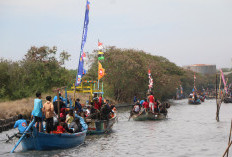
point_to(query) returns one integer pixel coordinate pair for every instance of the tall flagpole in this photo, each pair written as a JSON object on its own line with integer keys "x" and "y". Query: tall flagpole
{"x": 98, "y": 71}
{"x": 84, "y": 37}
{"x": 98, "y": 82}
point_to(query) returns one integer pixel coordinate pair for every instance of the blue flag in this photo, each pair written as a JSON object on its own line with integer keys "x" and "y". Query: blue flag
{"x": 80, "y": 70}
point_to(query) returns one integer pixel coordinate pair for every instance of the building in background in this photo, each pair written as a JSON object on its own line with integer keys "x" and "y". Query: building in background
{"x": 204, "y": 69}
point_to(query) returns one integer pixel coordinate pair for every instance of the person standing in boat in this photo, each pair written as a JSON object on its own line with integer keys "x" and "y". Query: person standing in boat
{"x": 78, "y": 105}
{"x": 55, "y": 98}
{"x": 135, "y": 99}
{"x": 48, "y": 110}
{"x": 145, "y": 105}
{"x": 151, "y": 102}
{"x": 21, "y": 124}
{"x": 37, "y": 111}
{"x": 156, "y": 105}
{"x": 100, "y": 100}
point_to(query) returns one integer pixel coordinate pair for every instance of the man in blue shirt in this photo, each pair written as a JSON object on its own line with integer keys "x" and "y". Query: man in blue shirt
{"x": 78, "y": 105}
{"x": 141, "y": 102}
{"x": 61, "y": 98}
{"x": 37, "y": 112}
{"x": 21, "y": 124}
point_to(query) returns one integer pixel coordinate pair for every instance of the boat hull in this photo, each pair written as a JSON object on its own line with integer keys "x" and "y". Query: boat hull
{"x": 149, "y": 116}
{"x": 43, "y": 141}
{"x": 227, "y": 100}
{"x": 100, "y": 126}
{"x": 193, "y": 102}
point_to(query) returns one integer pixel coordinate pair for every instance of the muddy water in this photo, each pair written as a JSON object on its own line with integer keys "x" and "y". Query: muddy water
{"x": 189, "y": 131}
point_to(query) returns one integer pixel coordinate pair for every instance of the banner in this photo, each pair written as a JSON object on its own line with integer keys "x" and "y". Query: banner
{"x": 150, "y": 86}
{"x": 101, "y": 71}
{"x": 80, "y": 70}
{"x": 223, "y": 79}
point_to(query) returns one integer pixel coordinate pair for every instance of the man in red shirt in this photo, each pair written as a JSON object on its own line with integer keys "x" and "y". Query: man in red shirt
{"x": 151, "y": 102}
{"x": 100, "y": 100}
{"x": 145, "y": 105}
{"x": 96, "y": 104}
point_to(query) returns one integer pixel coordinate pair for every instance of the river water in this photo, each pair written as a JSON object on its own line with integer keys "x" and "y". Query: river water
{"x": 189, "y": 131}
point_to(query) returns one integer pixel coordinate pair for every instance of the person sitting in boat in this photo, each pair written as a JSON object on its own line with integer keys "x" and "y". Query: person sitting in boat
{"x": 141, "y": 102}
{"x": 93, "y": 112}
{"x": 145, "y": 105}
{"x": 69, "y": 117}
{"x": 78, "y": 105}
{"x": 62, "y": 113}
{"x": 21, "y": 124}
{"x": 48, "y": 110}
{"x": 112, "y": 107}
{"x": 105, "y": 111}
{"x": 163, "y": 109}
{"x": 75, "y": 126}
{"x": 62, "y": 126}
{"x": 136, "y": 109}
{"x": 88, "y": 111}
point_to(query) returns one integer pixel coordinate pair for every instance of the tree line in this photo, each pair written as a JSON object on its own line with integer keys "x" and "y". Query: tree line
{"x": 126, "y": 74}
{"x": 39, "y": 70}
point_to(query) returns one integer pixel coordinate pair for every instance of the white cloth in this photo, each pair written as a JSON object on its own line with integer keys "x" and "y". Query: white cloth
{"x": 137, "y": 108}
{"x": 151, "y": 105}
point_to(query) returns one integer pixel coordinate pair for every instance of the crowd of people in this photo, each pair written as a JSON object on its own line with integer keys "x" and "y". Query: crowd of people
{"x": 149, "y": 104}
{"x": 59, "y": 118}
{"x": 99, "y": 109}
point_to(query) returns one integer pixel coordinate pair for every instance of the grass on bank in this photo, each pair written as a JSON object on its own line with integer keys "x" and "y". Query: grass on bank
{"x": 25, "y": 106}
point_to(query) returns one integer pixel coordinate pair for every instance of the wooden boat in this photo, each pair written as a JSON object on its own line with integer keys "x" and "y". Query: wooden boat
{"x": 42, "y": 141}
{"x": 149, "y": 116}
{"x": 227, "y": 100}
{"x": 100, "y": 126}
{"x": 194, "y": 102}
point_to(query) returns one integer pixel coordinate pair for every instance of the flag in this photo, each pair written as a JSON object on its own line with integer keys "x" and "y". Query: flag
{"x": 100, "y": 45}
{"x": 101, "y": 55}
{"x": 194, "y": 80}
{"x": 101, "y": 71}
{"x": 223, "y": 79}
{"x": 150, "y": 86}
{"x": 81, "y": 70}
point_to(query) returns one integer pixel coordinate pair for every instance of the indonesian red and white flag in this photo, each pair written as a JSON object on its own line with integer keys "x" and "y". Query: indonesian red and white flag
{"x": 150, "y": 80}
{"x": 100, "y": 45}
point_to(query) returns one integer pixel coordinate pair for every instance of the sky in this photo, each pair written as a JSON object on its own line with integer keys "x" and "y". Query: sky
{"x": 184, "y": 31}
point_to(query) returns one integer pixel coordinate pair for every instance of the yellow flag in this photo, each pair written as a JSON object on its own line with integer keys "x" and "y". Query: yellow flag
{"x": 101, "y": 71}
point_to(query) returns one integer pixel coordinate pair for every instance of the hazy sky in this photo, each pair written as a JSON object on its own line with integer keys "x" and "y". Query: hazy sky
{"x": 184, "y": 31}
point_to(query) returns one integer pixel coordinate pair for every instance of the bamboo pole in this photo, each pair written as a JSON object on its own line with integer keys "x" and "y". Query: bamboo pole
{"x": 229, "y": 137}
{"x": 217, "y": 111}
{"x": 58, "y": 99}
{"x": 227, "y": 149}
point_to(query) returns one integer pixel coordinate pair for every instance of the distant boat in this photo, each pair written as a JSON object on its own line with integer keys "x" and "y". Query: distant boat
{"x": 192, "y": 101}
{"x": 149, "y": 116}
{"x": 227, "y": 100}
